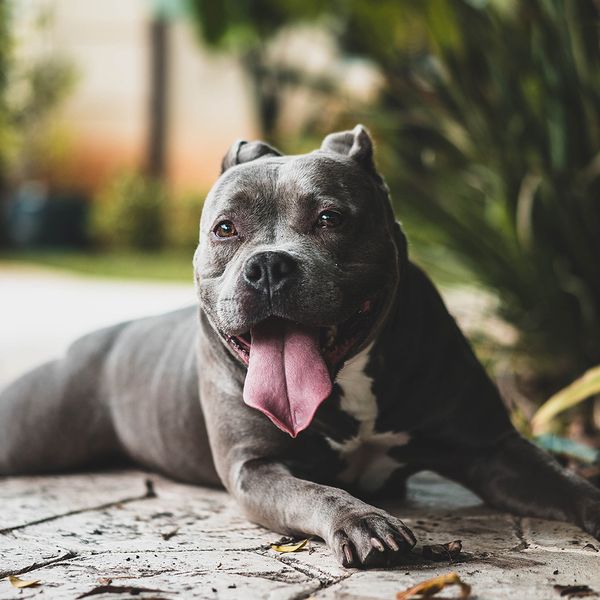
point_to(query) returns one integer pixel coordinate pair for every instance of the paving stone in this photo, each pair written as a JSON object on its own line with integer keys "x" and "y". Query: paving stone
{"x": 18, "y": 555}
{"x": 488, "y": 580}
{"x": 27, "y": 499}
{"x": 187, "y": 541}
{"x": 558, "y": 537}
{"x": 188, "y": 574}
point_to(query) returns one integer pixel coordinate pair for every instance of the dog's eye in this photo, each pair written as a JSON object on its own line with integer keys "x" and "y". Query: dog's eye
{"x": 330, "y": 218}
{"x": 225, "y": 229}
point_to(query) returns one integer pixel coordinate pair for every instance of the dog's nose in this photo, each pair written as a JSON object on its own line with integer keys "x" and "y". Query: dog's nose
{"x": 269, "y": 271}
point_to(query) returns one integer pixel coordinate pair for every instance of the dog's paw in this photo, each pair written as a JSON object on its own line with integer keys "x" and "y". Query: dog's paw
{"x": 372, "y": 539}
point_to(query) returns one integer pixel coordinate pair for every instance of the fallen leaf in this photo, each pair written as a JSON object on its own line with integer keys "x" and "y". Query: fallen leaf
{"x": 575, "y": 591}
{"x": 429, "y": 588}
{"x": 119, "y": 589}
{"x": 104, "y": 580}
{"x": 289, "y": 547}
{"x": 441, "y": 552}
{"x": 22, "y": 583}
{"x": 167, "y": 535}
{"x": 150, "y": 492}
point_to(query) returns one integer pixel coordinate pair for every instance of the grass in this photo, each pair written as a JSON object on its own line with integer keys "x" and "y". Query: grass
{"x": 162, "y": 266}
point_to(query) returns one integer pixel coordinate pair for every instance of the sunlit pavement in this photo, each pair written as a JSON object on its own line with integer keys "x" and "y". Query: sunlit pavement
{"x": 77, "y": 533}
{"x": 42, "y": 311}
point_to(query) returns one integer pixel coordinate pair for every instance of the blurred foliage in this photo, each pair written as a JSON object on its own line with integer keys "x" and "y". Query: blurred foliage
{"x": 6, "y": 126}
{"x": 492, "y": 122}
{"x": 488, "y": 131}
{"x": 581, "y": 389}
{"x": 29, "y": 92}
{"x": 183, "y": 222}
{"x": 244, "y": 24}
{"x": 245, "y": 28}
{"x": 136, "y": 212}
{"x": 129, "y": 213}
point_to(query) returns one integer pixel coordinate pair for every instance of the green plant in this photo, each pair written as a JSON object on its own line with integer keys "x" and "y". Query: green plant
{"x": 30, "y": 90}
{"x": 488, "y": 129}
{"x": 183, "y": 222}
{"x": 489, "y": 136}
{"x": 129, "y": 213}
{"x": 586, "y": 386}
{"x": 491, "y": 120}
{"x": 246, "y": 28}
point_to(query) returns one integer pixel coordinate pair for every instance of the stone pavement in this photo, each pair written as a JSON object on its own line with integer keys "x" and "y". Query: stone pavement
{"x": 75, "y": 533}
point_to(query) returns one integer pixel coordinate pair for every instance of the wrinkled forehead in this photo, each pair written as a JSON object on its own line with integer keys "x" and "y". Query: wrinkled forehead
{"x": 286, "y": 180}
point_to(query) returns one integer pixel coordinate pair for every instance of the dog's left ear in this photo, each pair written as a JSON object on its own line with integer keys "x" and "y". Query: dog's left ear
{"x": 242, "y": 151}
{"x": 356, "y": 144}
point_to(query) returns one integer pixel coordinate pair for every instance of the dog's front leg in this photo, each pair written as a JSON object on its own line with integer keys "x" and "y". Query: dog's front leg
{"x": 358, "y": 534}
{"x": 249, "y": 454}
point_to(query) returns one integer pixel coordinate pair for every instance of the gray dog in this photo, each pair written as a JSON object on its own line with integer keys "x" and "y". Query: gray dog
{"x": 321, "y": 363}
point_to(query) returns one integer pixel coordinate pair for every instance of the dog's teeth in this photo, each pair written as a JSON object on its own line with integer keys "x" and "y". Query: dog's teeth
{"x": 330, "y": 336}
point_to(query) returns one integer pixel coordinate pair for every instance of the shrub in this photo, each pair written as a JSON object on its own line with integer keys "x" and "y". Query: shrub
{"x": 129, "y": 213}
{"x": 183, "y": 222}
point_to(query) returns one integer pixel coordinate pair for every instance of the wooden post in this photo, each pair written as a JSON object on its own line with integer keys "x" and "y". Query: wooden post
{"x": 156, "y": 158}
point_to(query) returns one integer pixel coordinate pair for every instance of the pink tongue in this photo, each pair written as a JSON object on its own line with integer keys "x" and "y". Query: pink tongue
{"x": 287, "y": 377}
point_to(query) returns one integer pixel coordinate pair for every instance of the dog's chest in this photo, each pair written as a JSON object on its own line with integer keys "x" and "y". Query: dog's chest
{"x": 367, "y": 462}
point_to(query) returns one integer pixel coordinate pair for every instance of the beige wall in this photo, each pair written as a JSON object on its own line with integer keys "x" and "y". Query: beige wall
{"x": 106, "y": 117}
{"x": 209, "y": 109}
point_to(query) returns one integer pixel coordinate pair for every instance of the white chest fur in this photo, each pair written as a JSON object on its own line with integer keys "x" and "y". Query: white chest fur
{"x": 368, "y": 464}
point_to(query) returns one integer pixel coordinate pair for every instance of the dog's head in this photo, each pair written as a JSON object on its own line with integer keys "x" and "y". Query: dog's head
{"x": 297, "y": 267}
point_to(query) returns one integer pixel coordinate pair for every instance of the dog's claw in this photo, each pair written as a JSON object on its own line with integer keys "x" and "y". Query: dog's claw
{"x": 348, "y": 554}
{"x": 370, "y": 539}
{"x": 377, "y": 544}
{"x": 391, "y": 542}
{"x": 408, "y": 535}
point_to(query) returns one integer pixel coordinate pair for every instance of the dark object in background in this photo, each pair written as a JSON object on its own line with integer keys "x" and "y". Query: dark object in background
{"x": 37, "y": 218}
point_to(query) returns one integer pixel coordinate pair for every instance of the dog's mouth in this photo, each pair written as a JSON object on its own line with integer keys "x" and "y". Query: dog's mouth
{"x": 291, "y": 365}
{"x": 336, "y": 342}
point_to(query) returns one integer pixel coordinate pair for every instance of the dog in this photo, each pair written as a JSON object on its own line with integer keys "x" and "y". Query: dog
{"x": 319, "y": 370}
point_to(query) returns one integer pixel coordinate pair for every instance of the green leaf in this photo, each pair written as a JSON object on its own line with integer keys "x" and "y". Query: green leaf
{"x": 581, "y": 389}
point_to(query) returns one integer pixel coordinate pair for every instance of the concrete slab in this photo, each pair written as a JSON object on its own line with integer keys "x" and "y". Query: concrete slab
{"x": 190, "y": 542}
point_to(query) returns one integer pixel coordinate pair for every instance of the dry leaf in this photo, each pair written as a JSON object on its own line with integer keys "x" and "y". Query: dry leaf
{"x": 289, "y": 547}
{"x": 119, "y": 589}
{"x": 429, "y": 588}
{"x": 442, "y": 552}
{"x": 167, "y": 535}
{"x": 575, "y": 591}
{"x": 22, "y": 583}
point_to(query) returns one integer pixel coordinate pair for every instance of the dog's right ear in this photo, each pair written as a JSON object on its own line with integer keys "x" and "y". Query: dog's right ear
{"x": 357, "y": 144}
{"x": 243, "y": 151}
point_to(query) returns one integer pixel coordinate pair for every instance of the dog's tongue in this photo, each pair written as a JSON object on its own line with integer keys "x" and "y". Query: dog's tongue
{"x": 287, "y": 377}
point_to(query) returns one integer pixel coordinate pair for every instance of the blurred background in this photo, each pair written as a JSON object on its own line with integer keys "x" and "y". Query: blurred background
{"x": 114, "y": 117}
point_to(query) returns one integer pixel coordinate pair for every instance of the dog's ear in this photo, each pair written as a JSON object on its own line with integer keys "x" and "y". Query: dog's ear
{"x": 243, "y": 151}
{"x": 356, "y": 144}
